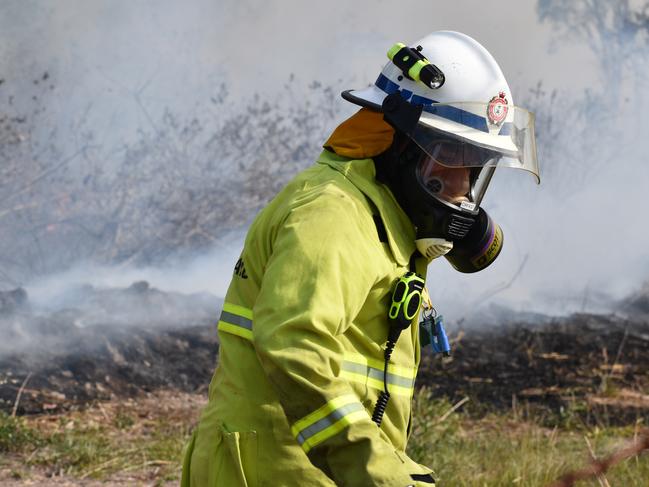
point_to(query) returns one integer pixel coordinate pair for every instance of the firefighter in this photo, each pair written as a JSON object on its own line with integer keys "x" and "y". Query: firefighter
{"x": 315, "y": 376}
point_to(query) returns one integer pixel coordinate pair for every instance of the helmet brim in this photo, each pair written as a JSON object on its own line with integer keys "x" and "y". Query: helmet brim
{"x": 372, "y": 97}
{"x": 486, "y": 140}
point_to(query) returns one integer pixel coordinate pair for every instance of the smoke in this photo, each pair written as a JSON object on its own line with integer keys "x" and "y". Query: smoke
{"x": 577, "y": 243}
{"x": 89, "y": 305}
{"x": 127, "y": 62}
{"x": 130, "y": 98}
{"x": 208, "y": 273}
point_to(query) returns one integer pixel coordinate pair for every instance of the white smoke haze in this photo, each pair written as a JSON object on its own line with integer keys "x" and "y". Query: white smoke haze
{"x": 129, "y": 61}
{"x": 89, "y": 304}
{"x": 578, "y": 242}
{"x": 208, "y": 273}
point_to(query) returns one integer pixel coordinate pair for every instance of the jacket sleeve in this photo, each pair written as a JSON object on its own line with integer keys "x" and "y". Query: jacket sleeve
{"x": 314, "y": 284}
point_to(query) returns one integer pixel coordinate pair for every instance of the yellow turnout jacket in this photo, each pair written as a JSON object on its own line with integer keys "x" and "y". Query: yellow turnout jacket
{"x": 302, "y": 334}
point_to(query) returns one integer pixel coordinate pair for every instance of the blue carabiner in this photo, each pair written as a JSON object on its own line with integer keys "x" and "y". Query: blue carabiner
{"x": 439, "y": 339}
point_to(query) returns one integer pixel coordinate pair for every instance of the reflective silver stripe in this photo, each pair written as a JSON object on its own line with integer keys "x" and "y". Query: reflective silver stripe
{"x": 236, "y": 320}
{"x": 377, "y": 374}
{"x": 328, "y": 421}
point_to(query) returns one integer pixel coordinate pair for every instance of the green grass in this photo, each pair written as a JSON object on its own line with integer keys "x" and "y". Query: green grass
{"x": 78, "y": 445}
{"x": 15, "y": 435}
{"x": 92, "y": 451}
{"x": 499, "y": 450}
{"x": 492, "y": 449}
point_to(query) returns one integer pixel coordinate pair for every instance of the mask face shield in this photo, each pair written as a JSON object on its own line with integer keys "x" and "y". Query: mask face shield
{"x": 454, "y": 172}
{"x": 463, "y": 144}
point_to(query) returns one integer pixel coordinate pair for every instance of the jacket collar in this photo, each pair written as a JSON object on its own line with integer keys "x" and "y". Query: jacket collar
{"x": 362, "y": 174}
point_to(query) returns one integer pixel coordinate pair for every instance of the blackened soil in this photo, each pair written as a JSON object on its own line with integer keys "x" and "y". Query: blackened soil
{"x": 591, "y": 367}
{"x": 121, "y": 363}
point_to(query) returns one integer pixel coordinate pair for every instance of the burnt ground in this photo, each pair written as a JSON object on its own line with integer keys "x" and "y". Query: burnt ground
{"x": 589, "y": 366}
{"x": 594, "y": 367}
{"x": 109, "y": 343}
{"x": 124, "y": 363}
{"x": 584, "y": 368}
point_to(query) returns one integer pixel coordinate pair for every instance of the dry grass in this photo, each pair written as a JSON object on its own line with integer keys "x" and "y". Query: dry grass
{"x": 129, "y": 442}
{"x": 500, "y": 449}
{"x": 140, "y": 441}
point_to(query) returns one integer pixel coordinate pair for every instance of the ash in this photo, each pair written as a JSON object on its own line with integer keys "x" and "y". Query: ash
{"x": 118, "y": 343}
{"x": 104, "y": 344}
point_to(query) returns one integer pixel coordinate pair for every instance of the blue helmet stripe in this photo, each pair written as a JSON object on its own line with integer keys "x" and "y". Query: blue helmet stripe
{"x": 445, "y": 111}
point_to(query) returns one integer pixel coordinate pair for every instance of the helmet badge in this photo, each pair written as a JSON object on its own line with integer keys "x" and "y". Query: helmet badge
{"x": 497, "y": 109}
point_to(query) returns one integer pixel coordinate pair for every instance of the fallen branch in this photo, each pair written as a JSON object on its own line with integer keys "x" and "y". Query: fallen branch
{"x": 601, "y": 478}
{"x": 99, "y": 467}
{"x": 20, "y": 393}
{"x": 597, "y": 468}
{"x": 455, "y": 407}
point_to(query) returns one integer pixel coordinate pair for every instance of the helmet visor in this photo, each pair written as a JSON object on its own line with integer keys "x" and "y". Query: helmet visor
{"x": 478, "y": 135}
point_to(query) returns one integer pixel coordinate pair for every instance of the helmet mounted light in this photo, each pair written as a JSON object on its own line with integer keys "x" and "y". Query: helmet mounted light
{"x": 415, "y": 66}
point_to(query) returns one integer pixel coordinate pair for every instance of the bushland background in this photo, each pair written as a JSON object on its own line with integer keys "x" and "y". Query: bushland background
{"x": 138, "y": 141}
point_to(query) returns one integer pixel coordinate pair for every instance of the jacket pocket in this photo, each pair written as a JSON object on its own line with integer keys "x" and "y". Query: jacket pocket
{"x": 187, "y": 459}
{"x": 243, "y": 457}
{"x": 216, "y": 457}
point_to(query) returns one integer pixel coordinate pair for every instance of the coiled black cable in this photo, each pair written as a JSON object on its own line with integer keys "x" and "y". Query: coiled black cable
{"x": 406, "y": 300}
{"x": 382, "y": 402}
{"x": 380, "y": 406}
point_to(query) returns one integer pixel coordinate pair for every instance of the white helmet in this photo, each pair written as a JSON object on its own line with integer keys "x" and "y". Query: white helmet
{"x": 465, "y": 99}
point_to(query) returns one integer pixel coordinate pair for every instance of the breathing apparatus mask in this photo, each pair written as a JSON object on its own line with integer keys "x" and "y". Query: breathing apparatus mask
{"x": 445, "y": 151}
{"x": 441, "y": 187}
